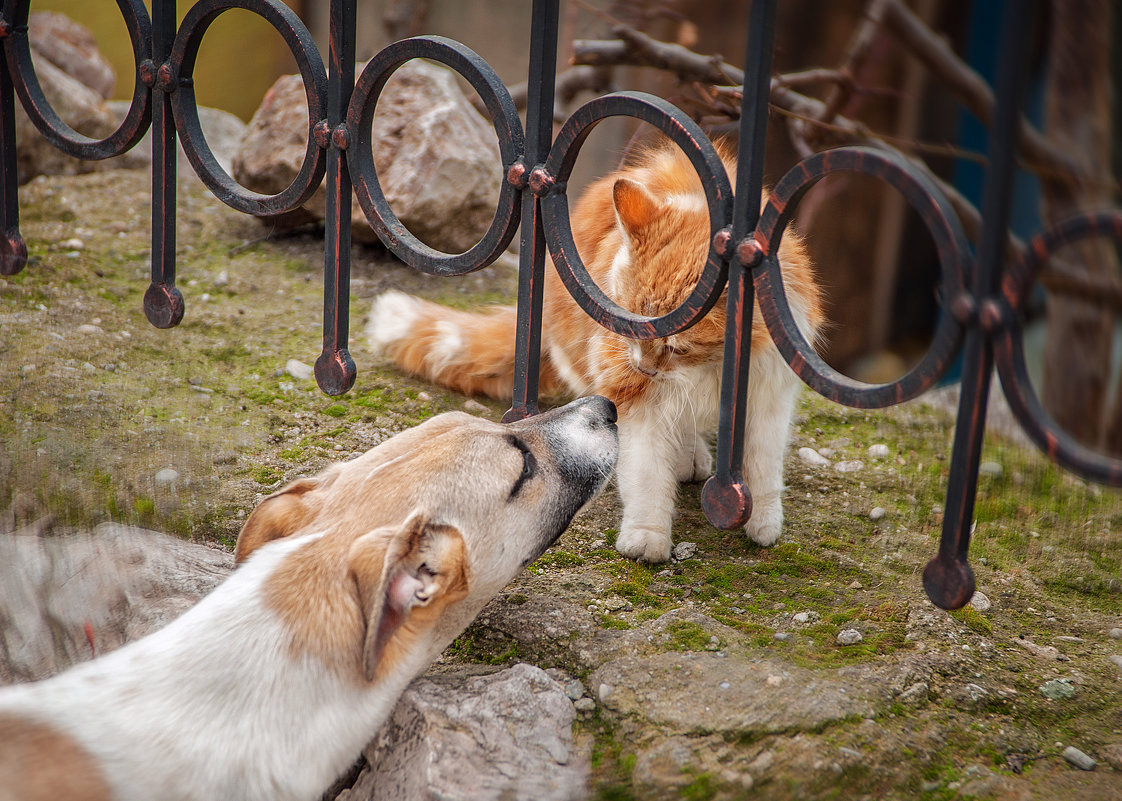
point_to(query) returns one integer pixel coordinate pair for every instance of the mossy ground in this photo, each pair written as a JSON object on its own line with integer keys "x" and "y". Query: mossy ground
{"x": 89, "y": 416}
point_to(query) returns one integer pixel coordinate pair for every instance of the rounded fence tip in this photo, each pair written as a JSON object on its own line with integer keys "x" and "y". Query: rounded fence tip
{"x": 949, "y": 583}
{"x": 163, "y": 305}
{"x": 13, "y": 253}
{"x": 727, "y": 504}
{"x": 335, "y": 371}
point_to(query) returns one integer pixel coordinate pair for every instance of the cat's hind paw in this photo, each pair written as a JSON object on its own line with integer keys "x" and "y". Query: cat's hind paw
{"x": 643, "y": 544}
{"x": 765, "y": 525}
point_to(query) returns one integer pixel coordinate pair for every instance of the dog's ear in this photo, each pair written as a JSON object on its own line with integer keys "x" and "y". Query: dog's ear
{"x": 407, "y": 574}
{"x": 279, "y": 515}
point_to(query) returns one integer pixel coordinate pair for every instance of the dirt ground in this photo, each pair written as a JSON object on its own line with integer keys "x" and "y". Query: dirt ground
{"x": 718, "y": 675}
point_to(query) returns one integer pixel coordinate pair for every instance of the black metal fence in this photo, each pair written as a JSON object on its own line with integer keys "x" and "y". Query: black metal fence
{"x": 984, "y": 294}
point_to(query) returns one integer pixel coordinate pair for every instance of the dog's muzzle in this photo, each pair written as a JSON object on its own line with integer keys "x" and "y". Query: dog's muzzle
{"x": 585, "y": 444}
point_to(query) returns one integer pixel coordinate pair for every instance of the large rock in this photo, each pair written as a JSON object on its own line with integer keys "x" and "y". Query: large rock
{"x": 81, "y": 107}
{"x": 437, "y": 159}
{"x": 506, "y": 735}
{"x": 72, "y": 48}
{"x": 116, "y": 584}
{"x": 223, "y": 131}
{"x": 76, "y": 80}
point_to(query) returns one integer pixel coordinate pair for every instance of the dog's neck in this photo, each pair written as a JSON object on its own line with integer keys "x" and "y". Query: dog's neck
{"x": 199, "y": 698}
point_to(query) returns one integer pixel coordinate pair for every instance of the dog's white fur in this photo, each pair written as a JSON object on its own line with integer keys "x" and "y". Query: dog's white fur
{"x": 353, "y": 582}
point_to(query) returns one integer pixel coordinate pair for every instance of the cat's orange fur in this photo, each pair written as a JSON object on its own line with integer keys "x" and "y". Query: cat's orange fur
{"x": 643, "y": 234}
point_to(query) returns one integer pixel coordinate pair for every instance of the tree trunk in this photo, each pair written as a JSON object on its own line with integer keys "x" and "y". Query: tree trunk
{"x": 1080, "y": 333}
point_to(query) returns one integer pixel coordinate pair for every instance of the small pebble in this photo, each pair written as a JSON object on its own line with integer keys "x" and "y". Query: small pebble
{"x": 1058, "y": 689}
{"x": 851, "y": 466}
{"x": 424, "y": 397}
{"x": 604, "y": 692}
{"x": 1078, "y": 758}
{"x": 801, "y": 617}
{"x": 782, "y": 636}
{"x": 877, "y": 513}
{"x": 475, "y": 407}
{"x": 614, "y": 603}
{"x": 73, "y": 244}
{"x": 724, "y": 685}
{"x": 684, "y": 550}
{"x": 878, "y": 451}
{"x": 88, "y": 329}
{"x": 1116, "y": 634}
{"x": 849, "y": 637}
{"x": 298, "y": 370}
{"x": 990, "y": 469}
{"x": 584, "y": 704}
{"x": 1116, "y": 659}
{"x": 574, "y": 689}
{"x": 222, "y": 279}
{"x": 981, "y": 601}
{"x": 166, "y": 476}
{"x": 812, "y": 457}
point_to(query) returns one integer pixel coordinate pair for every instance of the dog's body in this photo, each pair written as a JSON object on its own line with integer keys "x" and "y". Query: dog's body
{"x": 271, "y": 685}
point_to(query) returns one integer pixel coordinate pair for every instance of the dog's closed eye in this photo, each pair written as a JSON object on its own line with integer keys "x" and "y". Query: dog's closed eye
{"x": 529, "y": 465}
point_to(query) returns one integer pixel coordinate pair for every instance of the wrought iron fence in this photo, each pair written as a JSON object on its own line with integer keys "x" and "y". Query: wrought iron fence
{"x": 985, "y": 293}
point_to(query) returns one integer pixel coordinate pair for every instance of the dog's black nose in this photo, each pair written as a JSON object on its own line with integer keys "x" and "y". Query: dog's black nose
{"x": 602, "y": 407}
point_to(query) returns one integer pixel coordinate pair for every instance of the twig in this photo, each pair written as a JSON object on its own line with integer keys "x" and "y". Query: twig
{"x": 853, "y": 60}
{"x": 569, "y": 83}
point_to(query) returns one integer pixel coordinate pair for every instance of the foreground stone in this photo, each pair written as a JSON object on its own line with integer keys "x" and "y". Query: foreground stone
{"x": 65, "y": 598}
{"x": 507, "y": 735}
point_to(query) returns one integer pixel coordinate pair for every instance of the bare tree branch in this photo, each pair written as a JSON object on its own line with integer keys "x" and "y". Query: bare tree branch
{"x": 634, "y": 48}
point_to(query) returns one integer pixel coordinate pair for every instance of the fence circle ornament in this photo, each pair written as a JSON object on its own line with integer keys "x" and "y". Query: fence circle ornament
{"x": 951, "y": 247}
{"x": 54, "y": 129}
{"x": 1009, "y": 350}
{"x": 185, "y": 109}
{"x": 364, "y": 175}
{"x": 688, "y": 136}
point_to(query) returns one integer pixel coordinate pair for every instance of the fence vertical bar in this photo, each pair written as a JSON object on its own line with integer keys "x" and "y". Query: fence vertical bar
{"x": 726, "y": 498}
{"x": 335, "y": 369}
{"x": 948, "y": 578}
{"x": 13, "y": 250}
{"x": 531, "y": 269}
{"x": 163, "y": 303}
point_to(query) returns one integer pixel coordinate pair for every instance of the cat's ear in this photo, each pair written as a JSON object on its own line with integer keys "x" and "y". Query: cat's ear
{"x": 635, "y": 206}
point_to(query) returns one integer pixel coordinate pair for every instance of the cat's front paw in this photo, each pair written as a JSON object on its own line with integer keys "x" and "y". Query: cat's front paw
{"x": 643, "y": 544}
{"x": 765, "y": 525}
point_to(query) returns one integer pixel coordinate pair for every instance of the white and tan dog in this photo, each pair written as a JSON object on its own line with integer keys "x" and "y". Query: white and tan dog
{"x": 353, "y": 582}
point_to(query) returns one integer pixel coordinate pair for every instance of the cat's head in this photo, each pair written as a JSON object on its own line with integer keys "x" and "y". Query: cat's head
{"x": 665, "y": 240}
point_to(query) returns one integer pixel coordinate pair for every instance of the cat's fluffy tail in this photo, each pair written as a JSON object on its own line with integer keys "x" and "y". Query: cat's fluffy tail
{"x": 472, "y": 352}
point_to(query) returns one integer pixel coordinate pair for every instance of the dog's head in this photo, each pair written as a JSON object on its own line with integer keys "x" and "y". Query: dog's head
{"x": 424, "y": 529}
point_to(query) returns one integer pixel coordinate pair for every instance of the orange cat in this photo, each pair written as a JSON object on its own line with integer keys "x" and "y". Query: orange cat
{"x": 643, "y": 233}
